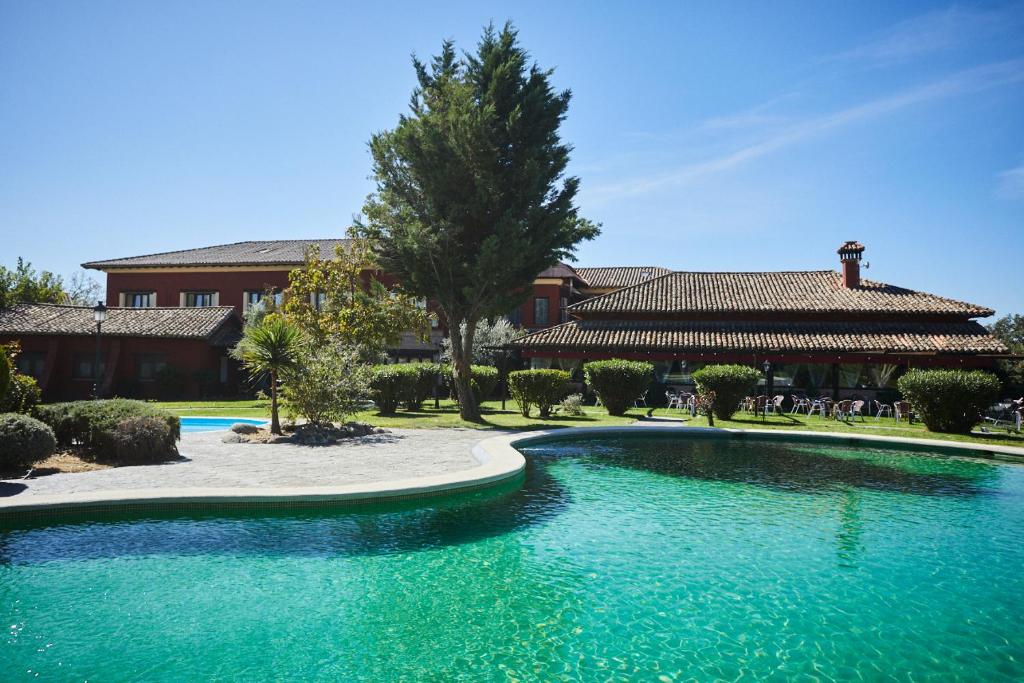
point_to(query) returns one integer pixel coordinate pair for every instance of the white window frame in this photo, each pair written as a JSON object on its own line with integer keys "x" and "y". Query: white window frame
{"x": 124, "y": 298}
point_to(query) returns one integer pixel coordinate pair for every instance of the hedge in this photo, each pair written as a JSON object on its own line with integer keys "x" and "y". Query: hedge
{"x": 142, "y": 440}
{"x": 618, "y": 383}
{"x": 22, "y": 395}
{"x": 408, "y": 384}
{"x": 24, "y": 440}
{"x": 5, "y": 371}
{"x": 730, "y": 383}
{"x": 483, "y": 380}
{"x": 94, "y": 425}
{"x": 541, "y": 388}
{"x": 950, "y": 401}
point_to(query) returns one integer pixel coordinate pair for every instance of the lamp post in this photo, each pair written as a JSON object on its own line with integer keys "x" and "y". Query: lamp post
{"x": 767, "y": 373}
{"x": 99, "y": 314}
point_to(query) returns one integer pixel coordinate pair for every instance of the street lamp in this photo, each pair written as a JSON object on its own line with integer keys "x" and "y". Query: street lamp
{"x": 767, "y": 373}
{"x": 99, "y": 314}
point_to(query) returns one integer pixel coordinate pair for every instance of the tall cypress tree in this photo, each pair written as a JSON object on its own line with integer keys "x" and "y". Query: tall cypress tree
{"x": 472, "y": 200}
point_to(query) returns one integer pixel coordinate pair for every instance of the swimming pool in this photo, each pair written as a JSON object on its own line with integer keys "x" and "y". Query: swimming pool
{"x": 649, "y": 557}
{"x": 211, "y": 424}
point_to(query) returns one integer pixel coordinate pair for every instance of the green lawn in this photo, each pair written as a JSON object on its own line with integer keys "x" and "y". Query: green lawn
{"x": 495, "y": 418}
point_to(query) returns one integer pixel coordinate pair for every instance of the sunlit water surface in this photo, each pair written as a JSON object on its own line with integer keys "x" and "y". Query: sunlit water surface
{"x": 646, "y": 558}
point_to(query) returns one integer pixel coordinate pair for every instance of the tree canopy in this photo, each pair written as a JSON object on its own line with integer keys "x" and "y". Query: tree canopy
{"x": 24, "y": 285}
{"x": 1010, "y": 330}
{"x": 471, "y": 198}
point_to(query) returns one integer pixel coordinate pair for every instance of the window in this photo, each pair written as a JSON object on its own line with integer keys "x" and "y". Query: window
{"x": 250, "y": 299}
{"x": 563, "y": 313}
{"x": 138, "y": 299}
{"x": 540, "y": 310}
{"x": 31, "y": 363}
{"x": 515, "y": 317}
{"x": 200, "y": 299}
{"x": 147, "y": 365}
{"x": 82, "y": 366}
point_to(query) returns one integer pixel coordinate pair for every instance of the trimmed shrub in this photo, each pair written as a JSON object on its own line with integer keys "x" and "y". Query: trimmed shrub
{"x": 618, "y": 383}
{"x": 728, "y": 383}
{"x": 93, "y": 424}
{"x": 142, "y": 440}
{"x": 420, "y": 387}
{"x": 386, "y": 386}
{"x": 950, "y": 401}
{"x": 24, "y": 440}
{"x": 22, "y": 395}
{"x": 541, "y": 388}
{"x": 483, "y": 380}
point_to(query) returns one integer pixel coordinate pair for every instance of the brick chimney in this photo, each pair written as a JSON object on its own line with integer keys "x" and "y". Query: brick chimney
{"x": 849, "y": 255}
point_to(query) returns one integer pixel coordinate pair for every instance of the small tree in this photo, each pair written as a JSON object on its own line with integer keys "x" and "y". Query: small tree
{"x": 728, "y": 384}
{"x": 272, "y": 347}
{"x": 24, "y": 285}
{"x": 338, "y": 299}
{"x": 618, "y": 383}
{"x": 1010, "y": 330}
{"x": 489, "y": 337}
{"x": 472, "y": 200}
{"x": 327, "y": 384}
{"x": 951, "y": 401}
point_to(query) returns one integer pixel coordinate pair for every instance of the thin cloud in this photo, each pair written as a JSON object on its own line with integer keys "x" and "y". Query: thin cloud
{"x": 960, "y": 83}
{"x": 935, "y": 31}
{"x": 1011, "y": 183}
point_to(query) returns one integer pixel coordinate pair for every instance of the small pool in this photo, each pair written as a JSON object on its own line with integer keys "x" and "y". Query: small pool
{"x": 212, "y": 424}
{"x": 653, "y": 557}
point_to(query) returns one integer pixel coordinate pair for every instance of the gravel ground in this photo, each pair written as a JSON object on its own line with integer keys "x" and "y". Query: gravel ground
{"x": 207, "y": 462}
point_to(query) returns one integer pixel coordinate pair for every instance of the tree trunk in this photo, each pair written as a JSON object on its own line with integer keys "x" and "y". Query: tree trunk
{"x": 275, "y": 424}
{"x": 462, "y": 359}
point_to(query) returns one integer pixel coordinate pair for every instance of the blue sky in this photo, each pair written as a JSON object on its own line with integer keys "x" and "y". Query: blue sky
{"x": 708, "y": 136}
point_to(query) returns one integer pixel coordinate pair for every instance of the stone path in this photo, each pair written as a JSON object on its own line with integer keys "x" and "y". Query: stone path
{"x": 209, "y": 463}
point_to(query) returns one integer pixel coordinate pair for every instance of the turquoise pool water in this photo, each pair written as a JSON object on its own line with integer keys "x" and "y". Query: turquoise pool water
{"x": 647, "y": 558}
{"x": 211, "y": 424}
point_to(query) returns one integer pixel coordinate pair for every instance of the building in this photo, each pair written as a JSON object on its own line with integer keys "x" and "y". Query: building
{"x": 144, "y": 352}
{"x": 822, "y": 331}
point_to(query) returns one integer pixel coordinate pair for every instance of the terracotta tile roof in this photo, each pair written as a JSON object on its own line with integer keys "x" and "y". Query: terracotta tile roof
{"x": 711, "y": 336}
{"x": 261, "y": 253}
{"x": 174, "y": 323}
{"x": 561, "y": 270}
{"x": 775, "y": 292}
{"x": 616, "y": 277}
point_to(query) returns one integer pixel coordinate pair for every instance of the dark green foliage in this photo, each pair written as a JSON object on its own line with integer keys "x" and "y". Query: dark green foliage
{"x": 423, "y": 380}
{"x": 6, "y": 370}
{"x": 541, "y": 388}
{"x": 471, "y": 200}
{"x": 484, "y": 379}
{"x": 93, "y": 424}
{"x": 1010, "y": 330}
{"x": 728, "y": 383}
{"x": 143, "y": 440}
{"x": 170, "y": 382}
{"x": 387, "y": 386}
{"x": 618, "y": 383}
{"x": 24, "y": 285}
{"x": 22, "y": 395}
{"x": 950, "y": 401}
{"x": 23, "y": 441}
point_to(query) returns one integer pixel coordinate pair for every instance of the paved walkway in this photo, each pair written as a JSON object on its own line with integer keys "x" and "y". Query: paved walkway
{"x": 209, "y": 463}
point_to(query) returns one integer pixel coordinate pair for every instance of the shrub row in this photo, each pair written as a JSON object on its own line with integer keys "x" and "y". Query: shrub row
{"x": 121, "y": 430}
{"x": 541, "y": 388}
{"x": 950, "y": 401}
{"x": 408, "y": 385}
{"x": 23, "y": 441}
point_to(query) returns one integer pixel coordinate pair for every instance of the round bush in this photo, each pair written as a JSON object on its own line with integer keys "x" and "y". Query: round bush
{"x": 541, "y": 388}
{"x": 618, "y": 383}
{"x": 483, "y": 380}
{"x": 22, "y": 395}
{"x": 93, "y": 424}
{"x": 24, "y": 440}
{"x": 386, "y": 387}
{"x": 422, "y": 380}
{"x": 728, "y": 383}
{"x": 950, "y": 401}
{"x": 142, "y": 440}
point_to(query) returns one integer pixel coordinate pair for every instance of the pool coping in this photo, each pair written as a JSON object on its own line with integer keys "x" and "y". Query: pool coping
{"x": 990, "y": 451}
{"x": 497, "y": 462}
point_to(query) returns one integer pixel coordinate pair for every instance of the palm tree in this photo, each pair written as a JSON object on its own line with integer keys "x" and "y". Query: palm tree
{"x": 270, "y": 347}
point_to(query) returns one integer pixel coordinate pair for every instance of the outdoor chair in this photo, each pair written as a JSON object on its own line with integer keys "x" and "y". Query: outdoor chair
{"x": 801, "y": 404}
{"x": 641, "y": 402}
{"x": 857, "y": 409}
{"x": 760, "y": 405}
{"x": 901, "y": 409}
{"x": 776, "y": 404}
{"x": 674, "y": 400}
{"x": 882, "y": 409}
{"x": 822, "y": 405}
{"x": 842, "y": 410}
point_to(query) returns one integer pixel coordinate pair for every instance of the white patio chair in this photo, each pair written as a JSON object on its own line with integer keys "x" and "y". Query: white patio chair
{"x": 882, "y": 409}
{"x": 857, "y": 408}
{"x": 641, "y": 402}
{"x": 674, "y": 401}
